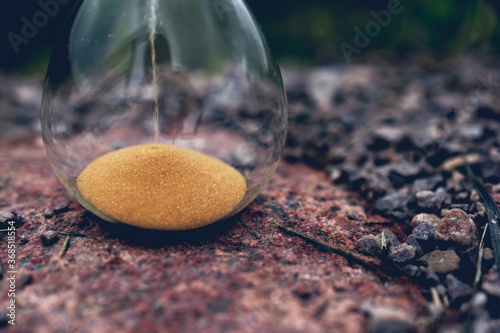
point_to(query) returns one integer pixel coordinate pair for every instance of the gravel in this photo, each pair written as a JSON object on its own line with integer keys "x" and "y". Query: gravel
{"x": 48, "y": 212}
{"x": 5, "y": 217}
{"x": 49, "y": 237}
{"x": 424, "y": 235}
{"x": 457, "y": 227}
{"x": 457, "y": 290}
{"x": 424, "y": 218}
{"x": 369, "y": 244}
{"x": 402, "y": 253}
{"x": 443, "y": 261}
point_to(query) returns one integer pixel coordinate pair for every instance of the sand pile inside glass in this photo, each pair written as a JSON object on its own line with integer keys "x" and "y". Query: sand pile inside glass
{"x": 162, "y": 187}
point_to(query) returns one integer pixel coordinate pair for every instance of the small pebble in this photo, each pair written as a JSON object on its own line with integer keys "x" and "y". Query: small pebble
{"x": 394, "y": 205}
{"x": 336, "y": 175}
{"x": 378, "y": 186}
{"x": 474, "y": 196}
{"x": 402, "y": 253}
{"x": 6, "y": 217}
{"x": 495, "y": 188}
{"x": 461, "y": 196}
{"x": 491, "y": 284}
{"x": 431, "y": 201}
{"x": 457, "y": 227}
{"x": 47, "y": 212}
{"x": 411, "y": 270}
{"x": 457, "y": 290}
{"x": 488, "y": 254}
{"x": 49, "y": 237}
{"x": 454, "y": 184}
{"x": 369, "y": 244}
{"x": 390, "y": 134}
{"x": 405, "y": 171}
{"x": 424, "y": 235}
{"x": 478, "y": 301}
{"x": 471, "y": 131}
{"x": 428, "y": 183}
{"x": 481, "y": 210}
{"x": 443, "y": 261}
{"x": 431, "y": 278}
{"x": 424, "y": 217}
{"x": 441, "y": 289}
{"x": 23, "y": 239}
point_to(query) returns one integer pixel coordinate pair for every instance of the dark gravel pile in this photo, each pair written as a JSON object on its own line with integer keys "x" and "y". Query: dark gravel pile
{"x": 401, "y": 135}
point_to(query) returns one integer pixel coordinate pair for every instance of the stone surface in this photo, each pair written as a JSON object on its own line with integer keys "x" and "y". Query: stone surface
{"x": 443, "y": 261}
{"x": 240, "y": 275}
{"x": 457, "y": 227}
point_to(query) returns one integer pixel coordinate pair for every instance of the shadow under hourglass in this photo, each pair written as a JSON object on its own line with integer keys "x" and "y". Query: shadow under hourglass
{"x": 157, "y": 239}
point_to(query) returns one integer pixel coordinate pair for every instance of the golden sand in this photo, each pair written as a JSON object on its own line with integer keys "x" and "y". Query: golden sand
{"x": 162, "y": 187}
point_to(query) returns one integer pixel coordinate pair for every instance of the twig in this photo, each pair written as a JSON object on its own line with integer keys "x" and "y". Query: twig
{"x": 72, "y": 234}
{"x": 479, "y": 260}
{"x": 345, "y": 253}
{"x": 65, "y": 246}
{"x": 383, "y": 242}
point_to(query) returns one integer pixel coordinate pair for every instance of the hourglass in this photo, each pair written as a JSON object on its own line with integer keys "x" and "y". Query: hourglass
{"x": 163, "y": 114}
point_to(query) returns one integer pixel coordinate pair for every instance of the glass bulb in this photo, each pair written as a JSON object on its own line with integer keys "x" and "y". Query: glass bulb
{"x": 172, "y": 112}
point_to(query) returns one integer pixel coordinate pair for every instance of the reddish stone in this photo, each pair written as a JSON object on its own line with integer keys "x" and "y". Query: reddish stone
{"x": 457, "y": 227}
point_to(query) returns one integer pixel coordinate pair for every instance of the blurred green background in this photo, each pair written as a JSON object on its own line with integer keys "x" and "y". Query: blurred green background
{"x": 309, "y": 32}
